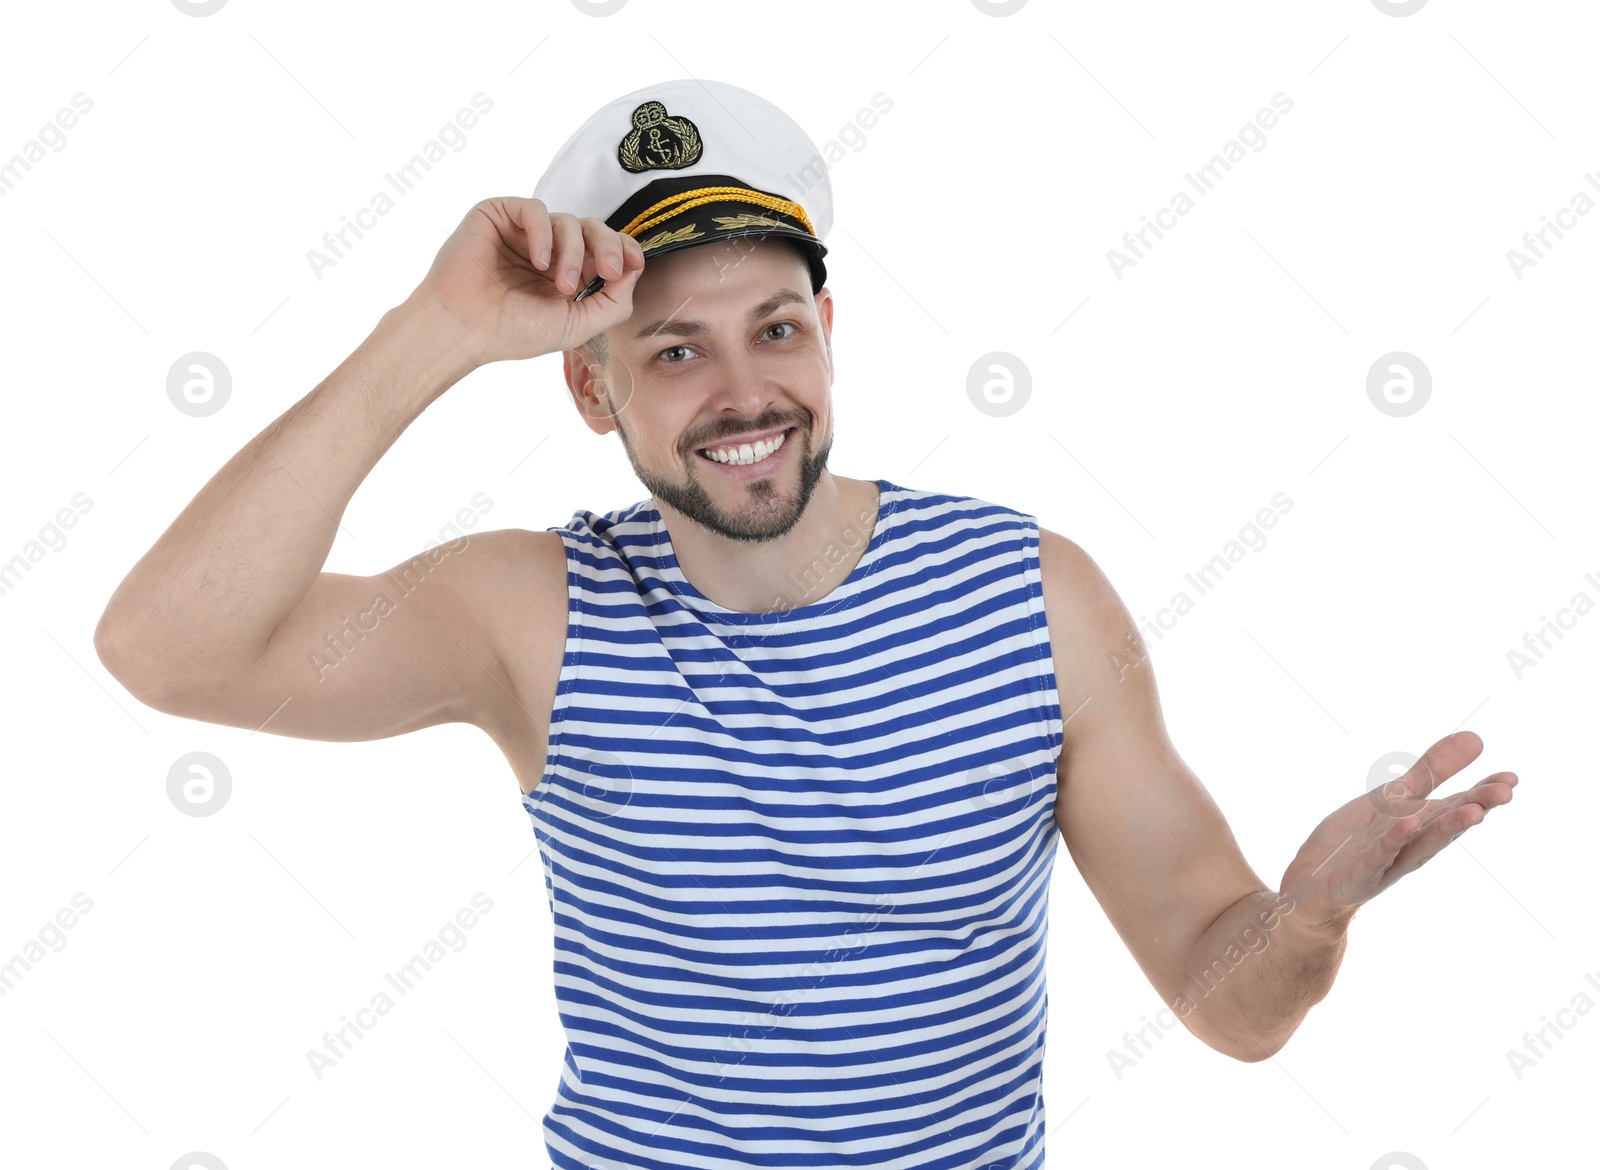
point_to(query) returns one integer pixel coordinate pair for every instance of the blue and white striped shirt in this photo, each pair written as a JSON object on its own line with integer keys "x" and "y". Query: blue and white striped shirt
{"x": 798, "y": 863}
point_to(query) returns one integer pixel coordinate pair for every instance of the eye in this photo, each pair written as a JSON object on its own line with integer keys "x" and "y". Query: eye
{"x": 665, "y": 360}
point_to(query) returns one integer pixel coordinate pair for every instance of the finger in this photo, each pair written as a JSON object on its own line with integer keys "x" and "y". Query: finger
{"x": 1490, "y": 792}
{"x": 534, "y": 218}
{"x": 603, "y": 247}
{"x": 605, "y": 255}
{"x": 1429, "y": 844}
{"x": 632, "y": 253}
{"x": 566, "y": 263}
{"x": 1440, "y": 762}
{"x": 617, "y": 290}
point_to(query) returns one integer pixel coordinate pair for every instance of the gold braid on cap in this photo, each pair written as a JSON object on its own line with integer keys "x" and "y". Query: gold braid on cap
{"x": 684, "y": 200}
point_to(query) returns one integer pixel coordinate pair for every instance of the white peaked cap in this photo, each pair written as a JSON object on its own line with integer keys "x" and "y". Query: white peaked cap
{"x": 692, "y": 162}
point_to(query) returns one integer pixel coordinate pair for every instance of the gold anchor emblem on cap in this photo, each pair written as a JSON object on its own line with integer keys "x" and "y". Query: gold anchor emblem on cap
{"x": 658, "y": 141}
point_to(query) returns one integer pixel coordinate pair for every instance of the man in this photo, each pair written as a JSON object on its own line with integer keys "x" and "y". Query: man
{"x": 797, "y": 748}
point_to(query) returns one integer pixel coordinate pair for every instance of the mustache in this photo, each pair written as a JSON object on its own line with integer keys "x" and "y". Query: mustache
{"x": 777, "y": 425}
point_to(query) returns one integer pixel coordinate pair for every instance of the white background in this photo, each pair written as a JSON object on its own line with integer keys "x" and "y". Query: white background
{"x": 1167, "y": 407}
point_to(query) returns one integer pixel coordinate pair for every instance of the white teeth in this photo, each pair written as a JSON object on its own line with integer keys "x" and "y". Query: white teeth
{"x": 746, "y": 453}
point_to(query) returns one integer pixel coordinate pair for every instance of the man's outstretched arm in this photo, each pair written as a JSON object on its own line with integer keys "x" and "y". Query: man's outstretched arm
{"x": 1238, "y": 963}
{"x": 1256, "y": 972}
{"x": 1356, "y": 853}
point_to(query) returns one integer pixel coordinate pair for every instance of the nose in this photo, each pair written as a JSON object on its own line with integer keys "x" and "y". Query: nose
{"x": 742, "y": 386}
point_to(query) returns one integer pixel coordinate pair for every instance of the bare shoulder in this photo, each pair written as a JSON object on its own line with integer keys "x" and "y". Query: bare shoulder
{"x": 1093, "y": 639}
{"x": 518, "y": 584}
{"x": 509, "y": 563}
{"x": 1064, "y": 564}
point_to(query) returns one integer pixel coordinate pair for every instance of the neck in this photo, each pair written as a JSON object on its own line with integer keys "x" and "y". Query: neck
{"x": 799, "y": 568}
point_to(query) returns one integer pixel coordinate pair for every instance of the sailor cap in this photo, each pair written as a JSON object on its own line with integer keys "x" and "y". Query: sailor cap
{"x": 693, "y": 162}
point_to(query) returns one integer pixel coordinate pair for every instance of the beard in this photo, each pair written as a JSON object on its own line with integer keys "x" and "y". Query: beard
{"x": 760, "y": 511}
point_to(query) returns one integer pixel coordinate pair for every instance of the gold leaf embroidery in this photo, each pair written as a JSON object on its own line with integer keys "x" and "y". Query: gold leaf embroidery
{"x": 728, "y": 222}
{"x": 686, "y": 232}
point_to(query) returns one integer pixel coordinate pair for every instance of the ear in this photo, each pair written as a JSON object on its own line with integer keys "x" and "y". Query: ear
{"x": 590, "y": 385}
{"x": 824, "y": 301}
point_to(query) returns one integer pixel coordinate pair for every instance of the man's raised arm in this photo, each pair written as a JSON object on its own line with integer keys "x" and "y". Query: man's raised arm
{"x": 215, "y": 621}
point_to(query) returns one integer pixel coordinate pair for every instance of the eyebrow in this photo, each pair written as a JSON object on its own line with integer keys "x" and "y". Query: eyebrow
{"x": 668, "y": 327}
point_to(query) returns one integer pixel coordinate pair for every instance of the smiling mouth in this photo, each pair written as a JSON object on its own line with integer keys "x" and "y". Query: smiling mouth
{"x": 747, "y": 454}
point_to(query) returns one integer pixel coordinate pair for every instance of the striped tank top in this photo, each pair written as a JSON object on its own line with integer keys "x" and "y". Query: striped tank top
{"x": 798, "y": 862}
